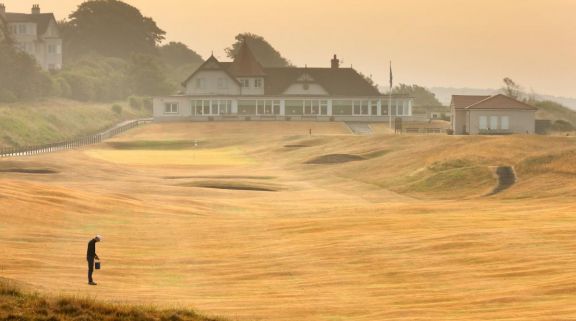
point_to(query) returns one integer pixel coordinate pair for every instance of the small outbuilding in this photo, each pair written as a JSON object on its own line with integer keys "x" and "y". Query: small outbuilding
{"x": 485, "y": 115}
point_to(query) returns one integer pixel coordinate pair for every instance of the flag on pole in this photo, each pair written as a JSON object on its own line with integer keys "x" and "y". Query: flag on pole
{"x": 391, "y": 77}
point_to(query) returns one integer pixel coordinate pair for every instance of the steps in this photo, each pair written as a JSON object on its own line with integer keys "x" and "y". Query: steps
{"x": 360, "y": 128}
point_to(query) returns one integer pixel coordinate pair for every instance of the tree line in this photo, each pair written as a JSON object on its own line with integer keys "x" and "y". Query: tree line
{"x": 111, "y": 51}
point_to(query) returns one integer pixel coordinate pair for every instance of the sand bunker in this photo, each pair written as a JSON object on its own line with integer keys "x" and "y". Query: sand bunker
{"x": 296, "y": 146}
{"x": 44, "y": 171}
{"x": 506, "y": 179}
{"x": 234, "y": 186}
{"x": 335, "y": 159}
{"x": 226, "y": 177}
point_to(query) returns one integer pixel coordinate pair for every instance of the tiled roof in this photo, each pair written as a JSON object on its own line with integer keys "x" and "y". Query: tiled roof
{"x": 337, "y": 82}
{"x": 501, "y": 102}
{"x": 41, "y": 20}
{"x": 463, "y": 101}
{"x": 245, "y": 64}
{"x": 342, "y": 82}
{"x": 212, "y": 64}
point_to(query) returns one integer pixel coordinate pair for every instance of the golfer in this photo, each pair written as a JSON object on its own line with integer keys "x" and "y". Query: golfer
{"x": 90, "y": 256}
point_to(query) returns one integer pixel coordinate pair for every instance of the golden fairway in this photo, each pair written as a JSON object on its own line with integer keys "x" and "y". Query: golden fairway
{"x": 403, "y": 232}
{"x": 218, "y": 157}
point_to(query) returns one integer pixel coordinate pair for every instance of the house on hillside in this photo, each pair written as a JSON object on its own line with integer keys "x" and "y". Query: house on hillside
{"x": 36, "y": 34}
{"x": 497, "y": 114}
{"x": 244, "y": 90}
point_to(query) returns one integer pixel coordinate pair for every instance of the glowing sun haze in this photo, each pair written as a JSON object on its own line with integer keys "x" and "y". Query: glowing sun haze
{"x": 457, "y": 43}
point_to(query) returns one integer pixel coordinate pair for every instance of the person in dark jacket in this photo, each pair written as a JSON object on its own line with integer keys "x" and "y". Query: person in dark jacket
{"x": 90, "y": 256}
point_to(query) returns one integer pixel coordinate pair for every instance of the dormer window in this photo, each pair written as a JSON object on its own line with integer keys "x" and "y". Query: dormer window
{"x": 257, "y": 83}
{"x": 245, "y": 83}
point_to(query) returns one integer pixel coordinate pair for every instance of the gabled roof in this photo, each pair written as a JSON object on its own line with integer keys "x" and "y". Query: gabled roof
{"x": 211, "y": 64}
{"x": 501, "y": 102}
{"x": 42, "y": 20}
{"x": 245, "y": 64}
{"x": 337, "y": 82}
{"x": 343, "y": 82}
{"x": 463, "y": 101}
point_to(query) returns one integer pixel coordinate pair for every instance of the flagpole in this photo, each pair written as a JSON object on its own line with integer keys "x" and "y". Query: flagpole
{"x": 390, "y": 99}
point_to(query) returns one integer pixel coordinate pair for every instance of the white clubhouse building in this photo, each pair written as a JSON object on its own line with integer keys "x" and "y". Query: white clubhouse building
{"x": 244, "y": 90}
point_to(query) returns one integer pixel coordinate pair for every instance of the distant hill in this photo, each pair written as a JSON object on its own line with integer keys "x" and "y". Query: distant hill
{"x": 444, "y": 94}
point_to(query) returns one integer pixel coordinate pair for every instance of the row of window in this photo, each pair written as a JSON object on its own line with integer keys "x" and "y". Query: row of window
{"x": 222, "y": 83}
{"x": 211, "y": 107}
{"x": 494, "y": 123}
{"x": 249, "y": 82}
{"x": 30, "y": 48}
{"x": 22, "y": 29}
{"x": 314, "y": 107}
{"x": 202, "y": 107}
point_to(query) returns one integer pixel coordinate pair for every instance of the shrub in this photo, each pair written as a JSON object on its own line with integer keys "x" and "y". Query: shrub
{"x": 135, "y": 102}
{"x": 148, "y": 104}
{"x": 562, "y": 126}
{"x": 117, "y": 109}
{"x": 7, "y": 96}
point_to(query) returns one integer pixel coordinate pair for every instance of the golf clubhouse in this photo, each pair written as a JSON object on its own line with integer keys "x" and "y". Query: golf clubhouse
{"x": 244, "y": 90}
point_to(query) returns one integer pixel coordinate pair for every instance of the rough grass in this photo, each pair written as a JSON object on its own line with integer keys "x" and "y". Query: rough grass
{"x": 460, "y": 182}
{"x": 48, "y": 121}
{"x": 17, "y": 305}
{"x": 560, "y": 163}
{"x": 341, "y": 242}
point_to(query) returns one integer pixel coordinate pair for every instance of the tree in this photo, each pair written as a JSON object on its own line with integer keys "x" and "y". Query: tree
{"x": 147, "y": 77}
{"x": 512, "y": 89}
{"x": 177, "y": 54}
{"x": 110, "y": 28}
{"x": 422, "y": 96}
{"x": 3, "y": 32}
{"x": 94, "y": 77}
{"x": 20, "y": 76}
{"x": 266, "y": 55}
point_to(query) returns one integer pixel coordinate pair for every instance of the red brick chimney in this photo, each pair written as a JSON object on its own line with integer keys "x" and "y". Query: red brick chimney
{"x": 36, "y": 9}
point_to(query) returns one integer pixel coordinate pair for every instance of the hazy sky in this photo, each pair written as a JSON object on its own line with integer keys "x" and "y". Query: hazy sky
{"x": 458, "y": 43}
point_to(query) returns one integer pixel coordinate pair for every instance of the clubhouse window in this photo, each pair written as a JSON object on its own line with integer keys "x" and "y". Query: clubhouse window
{"x": 171, "y": 108}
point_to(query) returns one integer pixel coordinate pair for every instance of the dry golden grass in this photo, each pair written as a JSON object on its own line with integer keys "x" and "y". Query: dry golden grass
{"x": 213, "y": 157}
{"x": 391, "y": 237}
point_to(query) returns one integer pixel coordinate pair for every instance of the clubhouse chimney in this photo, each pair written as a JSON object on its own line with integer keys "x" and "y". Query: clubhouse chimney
{"x": 335, "y": 62}
{"x": 2, "y": 10}
{"x": 36, "y": 9}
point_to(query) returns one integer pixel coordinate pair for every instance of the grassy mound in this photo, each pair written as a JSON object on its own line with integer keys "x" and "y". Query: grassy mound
{"x": 17, "y": 305}
{"x": 457, "y": 181}
{"x": 554, "y": 111}
{"x": 48, "y": 121}
{"x": 557, "y": 163}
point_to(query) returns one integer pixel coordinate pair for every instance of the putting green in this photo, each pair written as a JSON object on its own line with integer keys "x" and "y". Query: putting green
{"x": 223, "y": 156}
